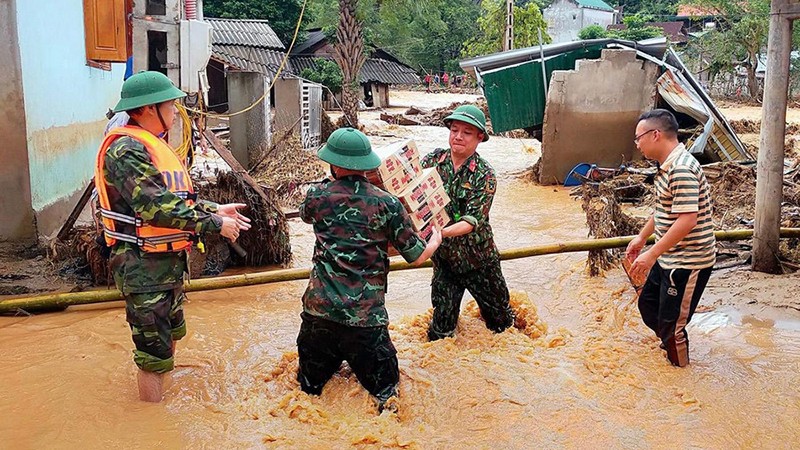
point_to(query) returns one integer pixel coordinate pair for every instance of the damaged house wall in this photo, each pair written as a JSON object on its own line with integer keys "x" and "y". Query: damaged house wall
{"x": 65, "y": 103}
{"x": 250, "y": 131}
{"x": 15, "y": 203}
{"x": 591, "y": 112}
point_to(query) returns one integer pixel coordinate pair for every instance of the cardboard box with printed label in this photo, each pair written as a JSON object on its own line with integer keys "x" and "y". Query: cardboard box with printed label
{"x": 394, "y": 183}
{"x": 440, "y": 220}
{"x": 428, "y": 209}
{"x": 399, "y": 165}
{"x": 397, "y": 156}
{"x": 420, "y": 189}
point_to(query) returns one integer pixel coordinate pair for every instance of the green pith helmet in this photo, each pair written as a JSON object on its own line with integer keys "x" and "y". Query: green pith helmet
{"x": 470, "y": 114}
{"x": 147, "y": 88}
{"x": 349, "y": 148}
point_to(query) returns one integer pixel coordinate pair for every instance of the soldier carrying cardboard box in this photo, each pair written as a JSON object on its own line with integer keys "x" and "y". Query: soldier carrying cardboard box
{"x": 467, "y": 258}
{"x": 344, "y": 316}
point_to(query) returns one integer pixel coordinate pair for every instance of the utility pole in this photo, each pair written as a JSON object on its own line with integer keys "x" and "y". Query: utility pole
{"x": 508, "y": 39}
{"x": 769, "y": 180}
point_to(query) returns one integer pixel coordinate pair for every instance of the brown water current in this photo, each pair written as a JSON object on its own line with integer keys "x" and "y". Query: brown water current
{"x": 578, "y": 371}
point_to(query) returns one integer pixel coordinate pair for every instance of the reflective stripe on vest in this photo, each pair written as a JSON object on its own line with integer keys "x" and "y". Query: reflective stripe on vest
{"x": 176, "y": 178}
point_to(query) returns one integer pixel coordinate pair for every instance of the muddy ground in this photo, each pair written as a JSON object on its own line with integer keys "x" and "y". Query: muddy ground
{"x": 582, "y": 371}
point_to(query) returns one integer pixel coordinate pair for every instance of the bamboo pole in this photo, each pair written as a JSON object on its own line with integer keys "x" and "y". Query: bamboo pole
{"x": 277, "y": 276}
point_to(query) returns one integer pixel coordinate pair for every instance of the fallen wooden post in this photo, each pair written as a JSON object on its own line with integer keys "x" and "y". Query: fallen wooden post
{"x": 87, "y": 194}
{"x": 237, "y": 168}
{"x": 276, "y": 276}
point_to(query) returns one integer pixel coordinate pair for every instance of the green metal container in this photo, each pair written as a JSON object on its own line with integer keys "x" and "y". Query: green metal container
{"x": 516, "y": 94}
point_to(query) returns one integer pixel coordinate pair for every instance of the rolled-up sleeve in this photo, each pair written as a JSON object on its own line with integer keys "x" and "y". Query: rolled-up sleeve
{"x": 479, "y": 200}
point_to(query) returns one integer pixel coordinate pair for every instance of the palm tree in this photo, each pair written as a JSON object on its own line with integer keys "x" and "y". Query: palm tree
{"x": 349, "y": 54}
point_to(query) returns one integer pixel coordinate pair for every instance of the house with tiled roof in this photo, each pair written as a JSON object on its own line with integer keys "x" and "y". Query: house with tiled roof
{"x": 246, "y": 56}
{"x": 380, "y": 69}
{"x": 566, "y": 18}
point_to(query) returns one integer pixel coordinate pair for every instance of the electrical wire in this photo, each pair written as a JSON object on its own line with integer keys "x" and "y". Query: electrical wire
{"x": 186, "y": 136}
{"x": 275, "y": 78}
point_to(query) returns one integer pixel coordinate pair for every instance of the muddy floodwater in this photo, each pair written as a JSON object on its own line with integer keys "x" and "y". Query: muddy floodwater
{"x": 578, "y": 371}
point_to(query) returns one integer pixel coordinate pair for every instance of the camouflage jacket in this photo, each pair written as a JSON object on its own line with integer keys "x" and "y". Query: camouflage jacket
{"x": 471, "y": 190}
{"x": 354, "y": 222}
{"x": 136, "y": 187}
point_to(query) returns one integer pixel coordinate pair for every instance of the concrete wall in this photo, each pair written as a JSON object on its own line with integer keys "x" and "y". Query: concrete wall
{"x": 169, "y": 23}
{"x": 15, "y": 203}
{"x": 596, "y": 17}
{"x": 287, "y": 104}
{"x": 591, "y": 113}
{"x": 65, "y": 105}
{"x": 565, "y": 19}
{"x": 250, "y": 132}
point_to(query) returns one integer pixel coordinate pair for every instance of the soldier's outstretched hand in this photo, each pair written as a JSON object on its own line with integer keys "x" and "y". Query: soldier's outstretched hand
{"x": 230, "y": 228}
{"x": 232, "y": 210}
{"x": 436, "y": 237}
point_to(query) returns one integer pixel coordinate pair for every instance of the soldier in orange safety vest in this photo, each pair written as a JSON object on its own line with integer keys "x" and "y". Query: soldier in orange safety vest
{"x": 151, "y": 217}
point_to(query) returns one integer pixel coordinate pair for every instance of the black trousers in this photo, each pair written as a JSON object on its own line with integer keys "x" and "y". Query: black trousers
{"x": 322, "y": 345}
{"x": 667, "y": 303}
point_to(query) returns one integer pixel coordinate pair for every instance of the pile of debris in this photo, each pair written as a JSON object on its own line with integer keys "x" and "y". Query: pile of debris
{"x": 435, "y": 117}
{"x": 619, "y": 205}
{"x": 749, "y": 133}
{"x": 267, "y": 242}
{"x": 285, "y": 168}
{"x": 749, "y": 126}
{"x": 605, "y": 217}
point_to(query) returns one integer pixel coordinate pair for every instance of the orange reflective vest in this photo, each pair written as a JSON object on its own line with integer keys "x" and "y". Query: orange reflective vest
{"x": 149, "y": 238}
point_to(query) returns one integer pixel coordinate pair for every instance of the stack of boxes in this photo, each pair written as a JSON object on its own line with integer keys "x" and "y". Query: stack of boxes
{"x": 421, "y": 191}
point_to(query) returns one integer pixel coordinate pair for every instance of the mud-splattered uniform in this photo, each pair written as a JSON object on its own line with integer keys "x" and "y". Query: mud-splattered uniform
{"x": 344, "y": 317}
{"x": 471, "y": 261}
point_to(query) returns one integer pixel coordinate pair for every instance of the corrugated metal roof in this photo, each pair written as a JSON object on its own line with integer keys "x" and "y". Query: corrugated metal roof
{"x": 250, "y": 59}
{"x": 516, "y": 95}
{"x": 374, "y": 70}
{"x": 314, "y": 37}
{"x": 654, "y": 47}
{"x": 595, "y": 4}
{"x": 714, "y": 137}
{"x": 252, "y": 33}
{"x": 388, "y": 72}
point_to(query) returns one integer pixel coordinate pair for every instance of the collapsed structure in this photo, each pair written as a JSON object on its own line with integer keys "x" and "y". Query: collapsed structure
{"x": 583, "y": 99}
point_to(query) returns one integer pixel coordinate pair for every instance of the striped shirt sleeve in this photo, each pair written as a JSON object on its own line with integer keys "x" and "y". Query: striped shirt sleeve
{"x": 685, "y": 187}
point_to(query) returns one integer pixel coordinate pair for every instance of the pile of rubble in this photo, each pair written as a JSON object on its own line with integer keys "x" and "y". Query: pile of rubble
{"x": 618, "y": 206}
{"x": 435, "y": 117}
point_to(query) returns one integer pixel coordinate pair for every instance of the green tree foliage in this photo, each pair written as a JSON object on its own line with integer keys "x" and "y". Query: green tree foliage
{"x": 636, "y": 29}
{"x": 738, "y": 40}
{"x": 491, "y": 28}
{"x": 592, "y": 32}
{"x": 325, "y": 72}
{"x": 282, "y": 14}
{"x": 426, "y": 35}
{"x": 660, "y": 9}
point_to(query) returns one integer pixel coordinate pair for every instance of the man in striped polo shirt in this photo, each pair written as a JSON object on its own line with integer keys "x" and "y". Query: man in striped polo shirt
{"x": 680, "y": 262}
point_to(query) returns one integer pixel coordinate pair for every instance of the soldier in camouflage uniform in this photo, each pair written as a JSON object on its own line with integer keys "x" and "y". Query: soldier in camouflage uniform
{"x": 468, "y": 258}
{"x": 344, "y": 317}
{"x": 152, "y": 282}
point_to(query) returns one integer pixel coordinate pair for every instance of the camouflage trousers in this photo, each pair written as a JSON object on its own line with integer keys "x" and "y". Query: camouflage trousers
{"x": 156, "y": 319}
{"x": 322, "y": 345}
{"x": 486, "y": 284}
